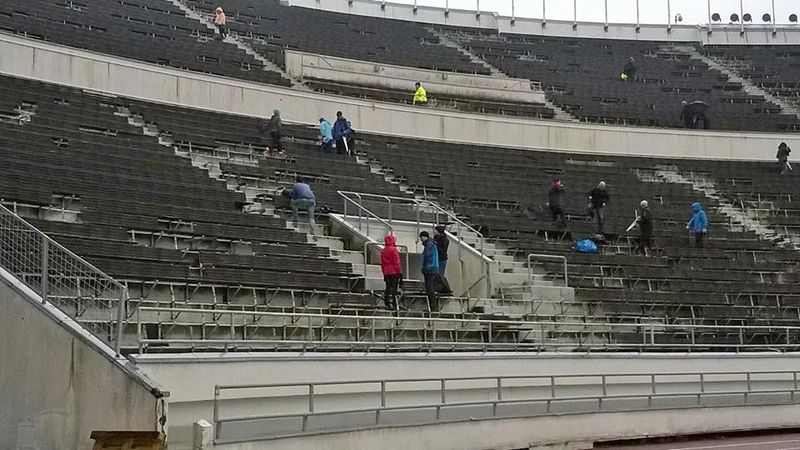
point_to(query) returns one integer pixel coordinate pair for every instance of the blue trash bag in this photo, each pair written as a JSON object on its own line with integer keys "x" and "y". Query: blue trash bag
{"x": 586, "y": 246}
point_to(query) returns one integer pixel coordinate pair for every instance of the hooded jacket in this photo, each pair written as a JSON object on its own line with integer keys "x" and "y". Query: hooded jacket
{"x": 554, "y": 195}
{"x": 326, "y": 131}
{"x": 219, "y": 17}
{"x": 420, "y": 96}
{"x": 783, "y": 153}
{"x": 699, "y": 221}
{"x": 430, "y": 258}
{"x": 275, "y": 125}
{"x": 390, "y": 257}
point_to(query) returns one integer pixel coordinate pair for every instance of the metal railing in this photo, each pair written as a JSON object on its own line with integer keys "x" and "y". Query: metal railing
{"x": 61, "y": 277}
{"x": 454, "y": 399}
{"x": 362, "y": 210}
{"x": 232, "y": 328}
{"x": 534, "y": 256}
{"x": 437, "y": 213}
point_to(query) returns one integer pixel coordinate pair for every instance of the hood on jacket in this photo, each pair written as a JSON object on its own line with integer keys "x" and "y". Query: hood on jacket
{"x": 390, "y": 240}
{"x": 697, "y": 207}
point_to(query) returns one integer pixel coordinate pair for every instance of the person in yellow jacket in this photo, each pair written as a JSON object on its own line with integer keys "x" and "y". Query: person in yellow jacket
{"x": 420, "y": 96}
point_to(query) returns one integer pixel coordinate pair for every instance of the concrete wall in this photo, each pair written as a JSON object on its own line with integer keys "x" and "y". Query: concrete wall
{"x": 309, "y": 65}
{"x": 719, "y": 34}
{"x": 578, "y": 430}
{"x": 57, "y": 64}
{"x": 57, "y": 386}
{"x": 191, "y": 378}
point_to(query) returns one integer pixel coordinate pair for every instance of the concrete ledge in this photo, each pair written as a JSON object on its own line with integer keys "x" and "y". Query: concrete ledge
{"x": 576, "y": 430}
{"x": 38, "y": 60}
{"x": 309, "y": 65}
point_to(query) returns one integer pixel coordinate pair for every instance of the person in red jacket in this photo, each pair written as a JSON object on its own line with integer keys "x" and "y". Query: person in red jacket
{"x": 392, "y": 271}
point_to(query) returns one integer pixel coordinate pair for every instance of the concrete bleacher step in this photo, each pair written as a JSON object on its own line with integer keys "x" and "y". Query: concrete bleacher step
{"x": 372, "y": 271}
{"x": 355, "y": 257}
{"x": 331, "y": 242}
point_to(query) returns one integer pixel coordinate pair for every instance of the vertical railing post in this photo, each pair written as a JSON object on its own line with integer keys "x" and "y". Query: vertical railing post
{"x": 122, "y": 308}
{"x": 575, "y": 13}
{"x": 741, "y": 15}
{"x": 774, "y": 27}
{"x": 216, "y": 412}
{"x": 45, "y": 268}
{"x": 544, "y": 12}
{"x": 669, "y": 15}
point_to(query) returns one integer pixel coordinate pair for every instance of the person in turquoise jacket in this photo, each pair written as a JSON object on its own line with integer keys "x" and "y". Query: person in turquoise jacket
{"x": 698, "y": 224}
{"x": 326, "y": 135}
{"x": 430, "y": 268}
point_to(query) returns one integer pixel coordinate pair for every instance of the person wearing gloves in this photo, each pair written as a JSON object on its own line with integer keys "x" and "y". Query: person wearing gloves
{"x": 430, "y": 268}
{"x": 698, "y": 224}
{"x": 392, "y": 271}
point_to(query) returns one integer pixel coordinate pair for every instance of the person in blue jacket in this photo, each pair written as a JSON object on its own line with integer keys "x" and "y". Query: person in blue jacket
{"x": 430, "y": 268}
{"x": 698, "y": 224}
{"x": 342, "y": 134}
{"x": 326, "y": 135}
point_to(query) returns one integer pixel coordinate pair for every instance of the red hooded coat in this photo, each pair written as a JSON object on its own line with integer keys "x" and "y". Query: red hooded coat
{"x": 390, "y": 257}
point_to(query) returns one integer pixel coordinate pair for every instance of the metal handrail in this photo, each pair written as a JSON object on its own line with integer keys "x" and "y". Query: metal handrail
{"x": 532, "y": 256}
{"x": 485, "y": 272}
{"x": 549, "y": 386}
{"x": 646, "y": 330}
{"x": 361, "y": 208}
{"x": 52, "y": 272}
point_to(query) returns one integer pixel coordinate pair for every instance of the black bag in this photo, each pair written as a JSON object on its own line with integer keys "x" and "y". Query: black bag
{"x": 442, "y": 286}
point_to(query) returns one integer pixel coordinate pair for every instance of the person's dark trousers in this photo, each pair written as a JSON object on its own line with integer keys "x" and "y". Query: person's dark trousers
{"x": 390, "y": 293}
{"x": 430, "y": 290}
{"x": 698, "y": 240}
{"x": 326, "y": 147}
{"x": 276, "y": 140}
{"x": 223, "y": 32}
{"x": 645, "y": 244}
{"x": 558, "y": 214}
{"x": 598, "y": 212}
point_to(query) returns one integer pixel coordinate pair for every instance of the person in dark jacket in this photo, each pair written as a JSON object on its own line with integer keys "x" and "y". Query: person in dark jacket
{"x": 554, "y": 201}
{"x": 598, "y": 198}
{"x": 275, "y": 129}
{"x": 783, "y": 158}
{"x": 629, "y": 71}
{"x": 342, "y": 134}
{"x": 442, "y": 243}
{"x": 392, "y": 271}
{"x": 698, "y": 224}
{"x": 645, "y": 224}
{"x": 430, "y": 269}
